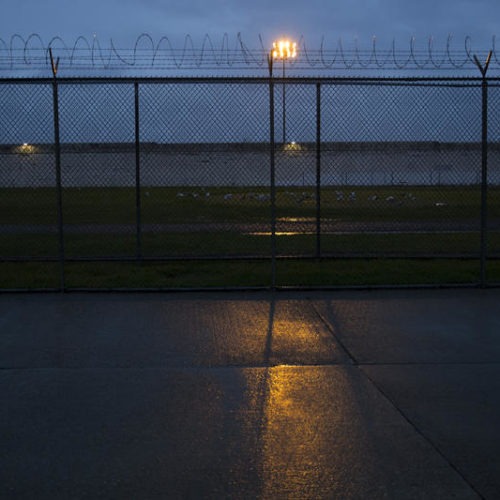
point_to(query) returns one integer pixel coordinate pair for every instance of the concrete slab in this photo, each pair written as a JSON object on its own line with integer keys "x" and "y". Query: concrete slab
{"x": 386, "y": 394}
{"x": 457, "y": 408}
{"x": 415, "y": 326}
{"x": 301, "y": 432}
{"x": 150, "y": 330}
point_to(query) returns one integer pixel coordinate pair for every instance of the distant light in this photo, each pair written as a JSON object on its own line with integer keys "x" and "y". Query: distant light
{"x": 293, "y": 147}
{"x": 26, "y": 148}
{"x": 284, "y": 49}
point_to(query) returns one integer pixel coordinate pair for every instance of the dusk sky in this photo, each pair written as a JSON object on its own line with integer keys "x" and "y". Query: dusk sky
{"x": 125, "y": 20}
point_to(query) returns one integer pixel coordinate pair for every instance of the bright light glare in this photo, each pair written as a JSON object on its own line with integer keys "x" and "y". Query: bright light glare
{"x": 293, "y": 147}
{"x": 284, "y": 49}
{"x": 25, "y": 148}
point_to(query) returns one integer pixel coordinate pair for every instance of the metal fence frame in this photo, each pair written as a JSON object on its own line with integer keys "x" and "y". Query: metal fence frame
{"x": 483, "y": 83}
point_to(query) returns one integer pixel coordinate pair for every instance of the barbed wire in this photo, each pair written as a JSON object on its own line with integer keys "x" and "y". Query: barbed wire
{"x": 31, "y": 54}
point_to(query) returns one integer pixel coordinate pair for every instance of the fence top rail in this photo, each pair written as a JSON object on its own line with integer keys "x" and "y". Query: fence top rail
{"x": 358, "y": 80}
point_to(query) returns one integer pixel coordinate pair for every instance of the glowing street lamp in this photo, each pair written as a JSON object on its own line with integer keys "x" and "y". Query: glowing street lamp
{"x": 284, "y": 50}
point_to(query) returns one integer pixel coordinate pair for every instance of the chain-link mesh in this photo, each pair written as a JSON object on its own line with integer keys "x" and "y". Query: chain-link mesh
{"x": 179, "y": 172}
{"x": 28, "y": 208}
{"x": 295, "y": 118}
{"x": 401, "y": 168}
{"x": 493, "y": 205}
{"x": 98, "y": 169}
{"x": 204, "y": 169}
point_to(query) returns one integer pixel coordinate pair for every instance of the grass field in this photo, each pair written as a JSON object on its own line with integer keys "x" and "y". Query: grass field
{"x": 253, "y": 273}
{"x": 232, "y": 222}
{"x": 236, "y": 204}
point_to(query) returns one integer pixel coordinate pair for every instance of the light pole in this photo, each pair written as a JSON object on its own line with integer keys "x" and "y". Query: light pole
{"x": 284, "y": 49}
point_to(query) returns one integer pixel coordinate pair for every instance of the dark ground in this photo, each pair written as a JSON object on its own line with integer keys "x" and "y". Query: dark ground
{"x": 380, "y": 394}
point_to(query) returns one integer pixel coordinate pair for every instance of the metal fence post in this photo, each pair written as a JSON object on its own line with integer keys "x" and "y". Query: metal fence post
{"x": 318, "y": 170}
{"x": 137, "y": 174}
{"x": 484, "y": 167}
{"x": 484, "y": 181}
{"x": 57, "y": 153}
{"x": 272, "y": 172}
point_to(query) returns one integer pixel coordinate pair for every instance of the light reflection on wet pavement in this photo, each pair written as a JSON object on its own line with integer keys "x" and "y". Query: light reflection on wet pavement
{"x": 389, "y": 394}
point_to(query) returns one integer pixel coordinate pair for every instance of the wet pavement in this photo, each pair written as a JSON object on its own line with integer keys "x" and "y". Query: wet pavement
{"x": 346, "y": 394}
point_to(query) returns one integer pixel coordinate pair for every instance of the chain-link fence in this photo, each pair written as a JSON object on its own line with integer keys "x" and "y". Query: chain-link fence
{"x": 225, "y": 182}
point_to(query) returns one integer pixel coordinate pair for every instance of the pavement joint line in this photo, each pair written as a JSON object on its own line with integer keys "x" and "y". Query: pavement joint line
{"x": 427, "y": 363}
{"x": 331, "y": 329}
{"x": 227, "y": 366}
{"x": 178, "y": 367}
{"x": 415, "y": 427}
{"x": 358, "y": 365}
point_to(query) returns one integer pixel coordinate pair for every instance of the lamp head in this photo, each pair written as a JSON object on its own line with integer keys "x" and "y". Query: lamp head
{"x": 284, "y": 49}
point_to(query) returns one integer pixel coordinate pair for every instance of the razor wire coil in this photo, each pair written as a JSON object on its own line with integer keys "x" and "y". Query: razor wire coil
{"x": 32, "y": 54}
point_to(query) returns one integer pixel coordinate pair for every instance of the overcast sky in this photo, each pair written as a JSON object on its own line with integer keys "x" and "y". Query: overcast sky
{"x": 124, "y": 20}
{"x": 321, "y": 23}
